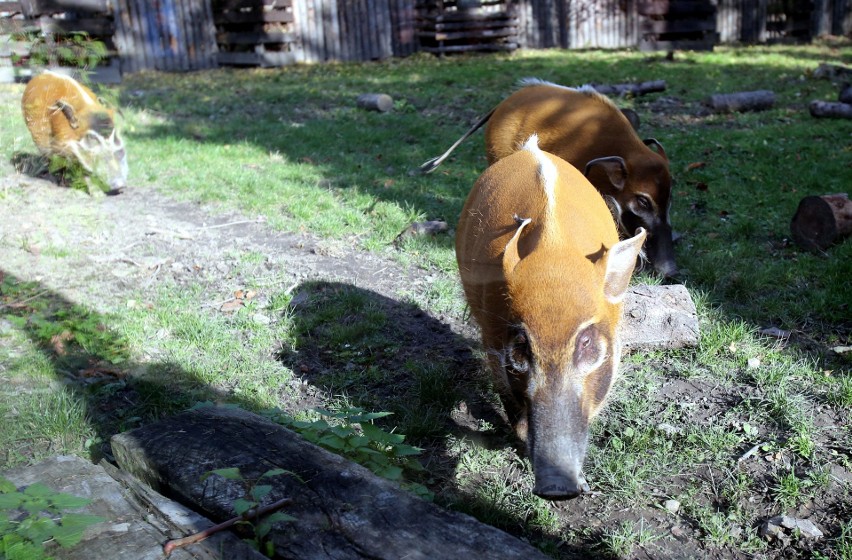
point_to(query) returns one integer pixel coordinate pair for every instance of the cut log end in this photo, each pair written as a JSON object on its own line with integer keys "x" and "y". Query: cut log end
{"x": 821, "y": 221}
{"x": 380, "y": 102}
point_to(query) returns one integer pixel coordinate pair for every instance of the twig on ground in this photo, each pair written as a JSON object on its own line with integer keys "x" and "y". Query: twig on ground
{"x": 173, "y": 544}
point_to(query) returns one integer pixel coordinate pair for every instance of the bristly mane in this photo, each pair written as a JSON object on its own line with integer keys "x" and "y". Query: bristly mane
{"x": 586, "y": 89}
{"x": 546, "y": 172}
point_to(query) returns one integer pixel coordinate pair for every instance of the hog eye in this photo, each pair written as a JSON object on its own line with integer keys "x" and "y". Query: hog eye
{"x": 643, "y": 202}
{"x": 519, "y": 353}
{"x": 586, "y": 349}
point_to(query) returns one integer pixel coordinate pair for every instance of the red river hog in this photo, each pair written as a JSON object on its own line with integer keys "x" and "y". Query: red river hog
{"x": 587, "y": 130}
{"x": 544, "y": 274}
{"x": 66, "y": 118}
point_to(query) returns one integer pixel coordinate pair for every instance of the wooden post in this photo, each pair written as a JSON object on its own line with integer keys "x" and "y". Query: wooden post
{"x": 741, "y": 101}
{"x": 821, "y": 221}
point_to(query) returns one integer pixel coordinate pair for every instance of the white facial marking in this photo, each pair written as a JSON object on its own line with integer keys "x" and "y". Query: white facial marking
{"x": 546, "y": 171}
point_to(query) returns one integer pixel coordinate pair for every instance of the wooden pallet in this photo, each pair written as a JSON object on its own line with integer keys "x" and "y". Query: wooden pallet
{"x": 447, "y": 26}
{"x": 255, "y": 32}
{"x": 669, "y": 25}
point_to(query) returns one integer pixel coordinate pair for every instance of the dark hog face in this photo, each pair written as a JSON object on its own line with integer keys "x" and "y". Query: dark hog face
{"x": 561, "y": 388}
{"x": 639, "y": 191}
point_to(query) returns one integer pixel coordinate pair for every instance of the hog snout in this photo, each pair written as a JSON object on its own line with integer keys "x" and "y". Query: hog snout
{"x": 554, "y": 483}
{"x": 660, "y": 251}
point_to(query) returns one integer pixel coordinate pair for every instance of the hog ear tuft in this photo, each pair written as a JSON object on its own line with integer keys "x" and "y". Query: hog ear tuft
{"x": 511, "y": 256}
{"x": 620, "y": 262}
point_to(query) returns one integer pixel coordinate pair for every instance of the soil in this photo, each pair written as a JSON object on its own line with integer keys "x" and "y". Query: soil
{"x": 115, "y": 246}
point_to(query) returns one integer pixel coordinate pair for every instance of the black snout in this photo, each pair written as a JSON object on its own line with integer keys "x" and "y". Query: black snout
{"x": 660, "y": 252}
{"x": 555, "y": 484}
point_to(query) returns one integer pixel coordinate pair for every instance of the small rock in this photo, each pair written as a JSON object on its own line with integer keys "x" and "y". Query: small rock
{"x": 771, "y": 530}
{"x": 668, "y": 429}
{"x": 753, "y": 363}
{"x": 805, "y": 526}
{"x": 672, "y": 506}
{"x": 678, "y": 532}
{"x": 261, "y": 319}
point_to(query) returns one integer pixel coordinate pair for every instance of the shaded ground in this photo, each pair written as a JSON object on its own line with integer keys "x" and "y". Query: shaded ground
{"x": 115, "y": 248}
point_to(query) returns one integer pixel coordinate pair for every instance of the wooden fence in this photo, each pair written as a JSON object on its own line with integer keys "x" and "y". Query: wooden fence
{"x": 179, "y": 35}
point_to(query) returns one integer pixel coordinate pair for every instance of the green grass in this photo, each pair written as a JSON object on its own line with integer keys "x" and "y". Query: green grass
{"x": 290, "y": 146}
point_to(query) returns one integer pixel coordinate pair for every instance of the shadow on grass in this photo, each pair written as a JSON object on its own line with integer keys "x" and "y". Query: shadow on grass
{"x": 369, "y": 350}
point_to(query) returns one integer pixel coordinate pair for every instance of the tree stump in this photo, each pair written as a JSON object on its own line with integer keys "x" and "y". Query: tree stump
{"x": 821, "y": 221}
{"x": 380, "y": 102}
{"x": 741, "y": 101}
{"x": 830, "y": 109}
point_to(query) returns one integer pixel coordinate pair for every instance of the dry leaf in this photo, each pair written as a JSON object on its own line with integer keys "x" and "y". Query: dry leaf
{"x": 696, "y": 165}
{"x": 58, "y": 341}
{"x": 231, "y": 306}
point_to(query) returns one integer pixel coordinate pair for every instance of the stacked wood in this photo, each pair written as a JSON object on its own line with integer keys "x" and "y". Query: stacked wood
{"x": 669, "y": 25}
{"x": 255, "y": 32}
{"x": 450, "y": 26}
{"x": 55, "y": 22}
{"x": 341, "y": 509}
{"x": 741, "y": 101}
{"x": 822, "y": 221}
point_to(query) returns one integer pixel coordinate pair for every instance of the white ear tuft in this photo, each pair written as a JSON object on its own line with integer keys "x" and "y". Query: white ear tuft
{"x": 620, "y": 262}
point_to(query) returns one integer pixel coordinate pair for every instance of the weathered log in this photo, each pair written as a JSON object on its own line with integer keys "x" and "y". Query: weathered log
{"x": 381, "y": 102}
{"x": 845, "y": 93}
{"x": 342, "y": 510}
{"x": 741, "y": 101}
{"x": 137, "y": 520}
{"x": 822, "y": 221}
{"x": 659, "y": 317}
{"x": 830, "y": 109}
{"x": 831, "y": 71}
{"x": 631, "y": 89}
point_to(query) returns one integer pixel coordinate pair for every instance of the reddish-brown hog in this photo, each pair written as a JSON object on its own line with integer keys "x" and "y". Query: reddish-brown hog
{"x": 545, "y": 274}
{"x": 588, "y": 131}
{"x": 65, "y": 118}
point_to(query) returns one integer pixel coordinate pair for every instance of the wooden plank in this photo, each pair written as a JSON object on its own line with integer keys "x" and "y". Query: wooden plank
{"x": 706, "y": 44}
{"x": 340, "y": 509}
{"x": 476, "y": 34}
{"x": 331, "y": 18}
{"x": 678, "y": 26}
{"x": 97, "y": 27}
{"x": 254, "y": 37}
{"x": 206, "y": 31}
{"x": 225, "y": 5}
{"x": 274, "y": 16}
{"x": 36, "y": 8}
{"x": 493, "y": 47}
{"x": 675, "y": 8}
{"x": 265, "y": 59}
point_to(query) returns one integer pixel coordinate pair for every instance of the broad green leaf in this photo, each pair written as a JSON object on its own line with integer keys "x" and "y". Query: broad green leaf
{"x": 72, "y": 526}
{"x": 7, "y": 486}
{"x": 11, "y": 501}
{"x": 405, "y": 450}
{"x": 260, "y": 491}
{"x": 332, "y": 442}
{"x": 390, "y": 472}
{"x": 232, "y": 473}
{"x": 275, "y": 472}
{"x": 67, "y": 501}
{"x": 35, "y": 505}
{"x": 39, "y": 490}
{"x": 241, "y": 505}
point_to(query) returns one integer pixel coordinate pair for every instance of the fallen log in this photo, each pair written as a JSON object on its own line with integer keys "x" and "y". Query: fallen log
{"x": 822, "y": 221}
{"x": 830, "y": 110}
{"x": 658, "y": 317}
{"x": 741, "y": 101}
{"x": 342, "y": 511}
{"x": 375, "y": 102}
{"x": 631, "y": 89}
{"x": 845, "y": 93}
{"x": 831, "y": 71}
